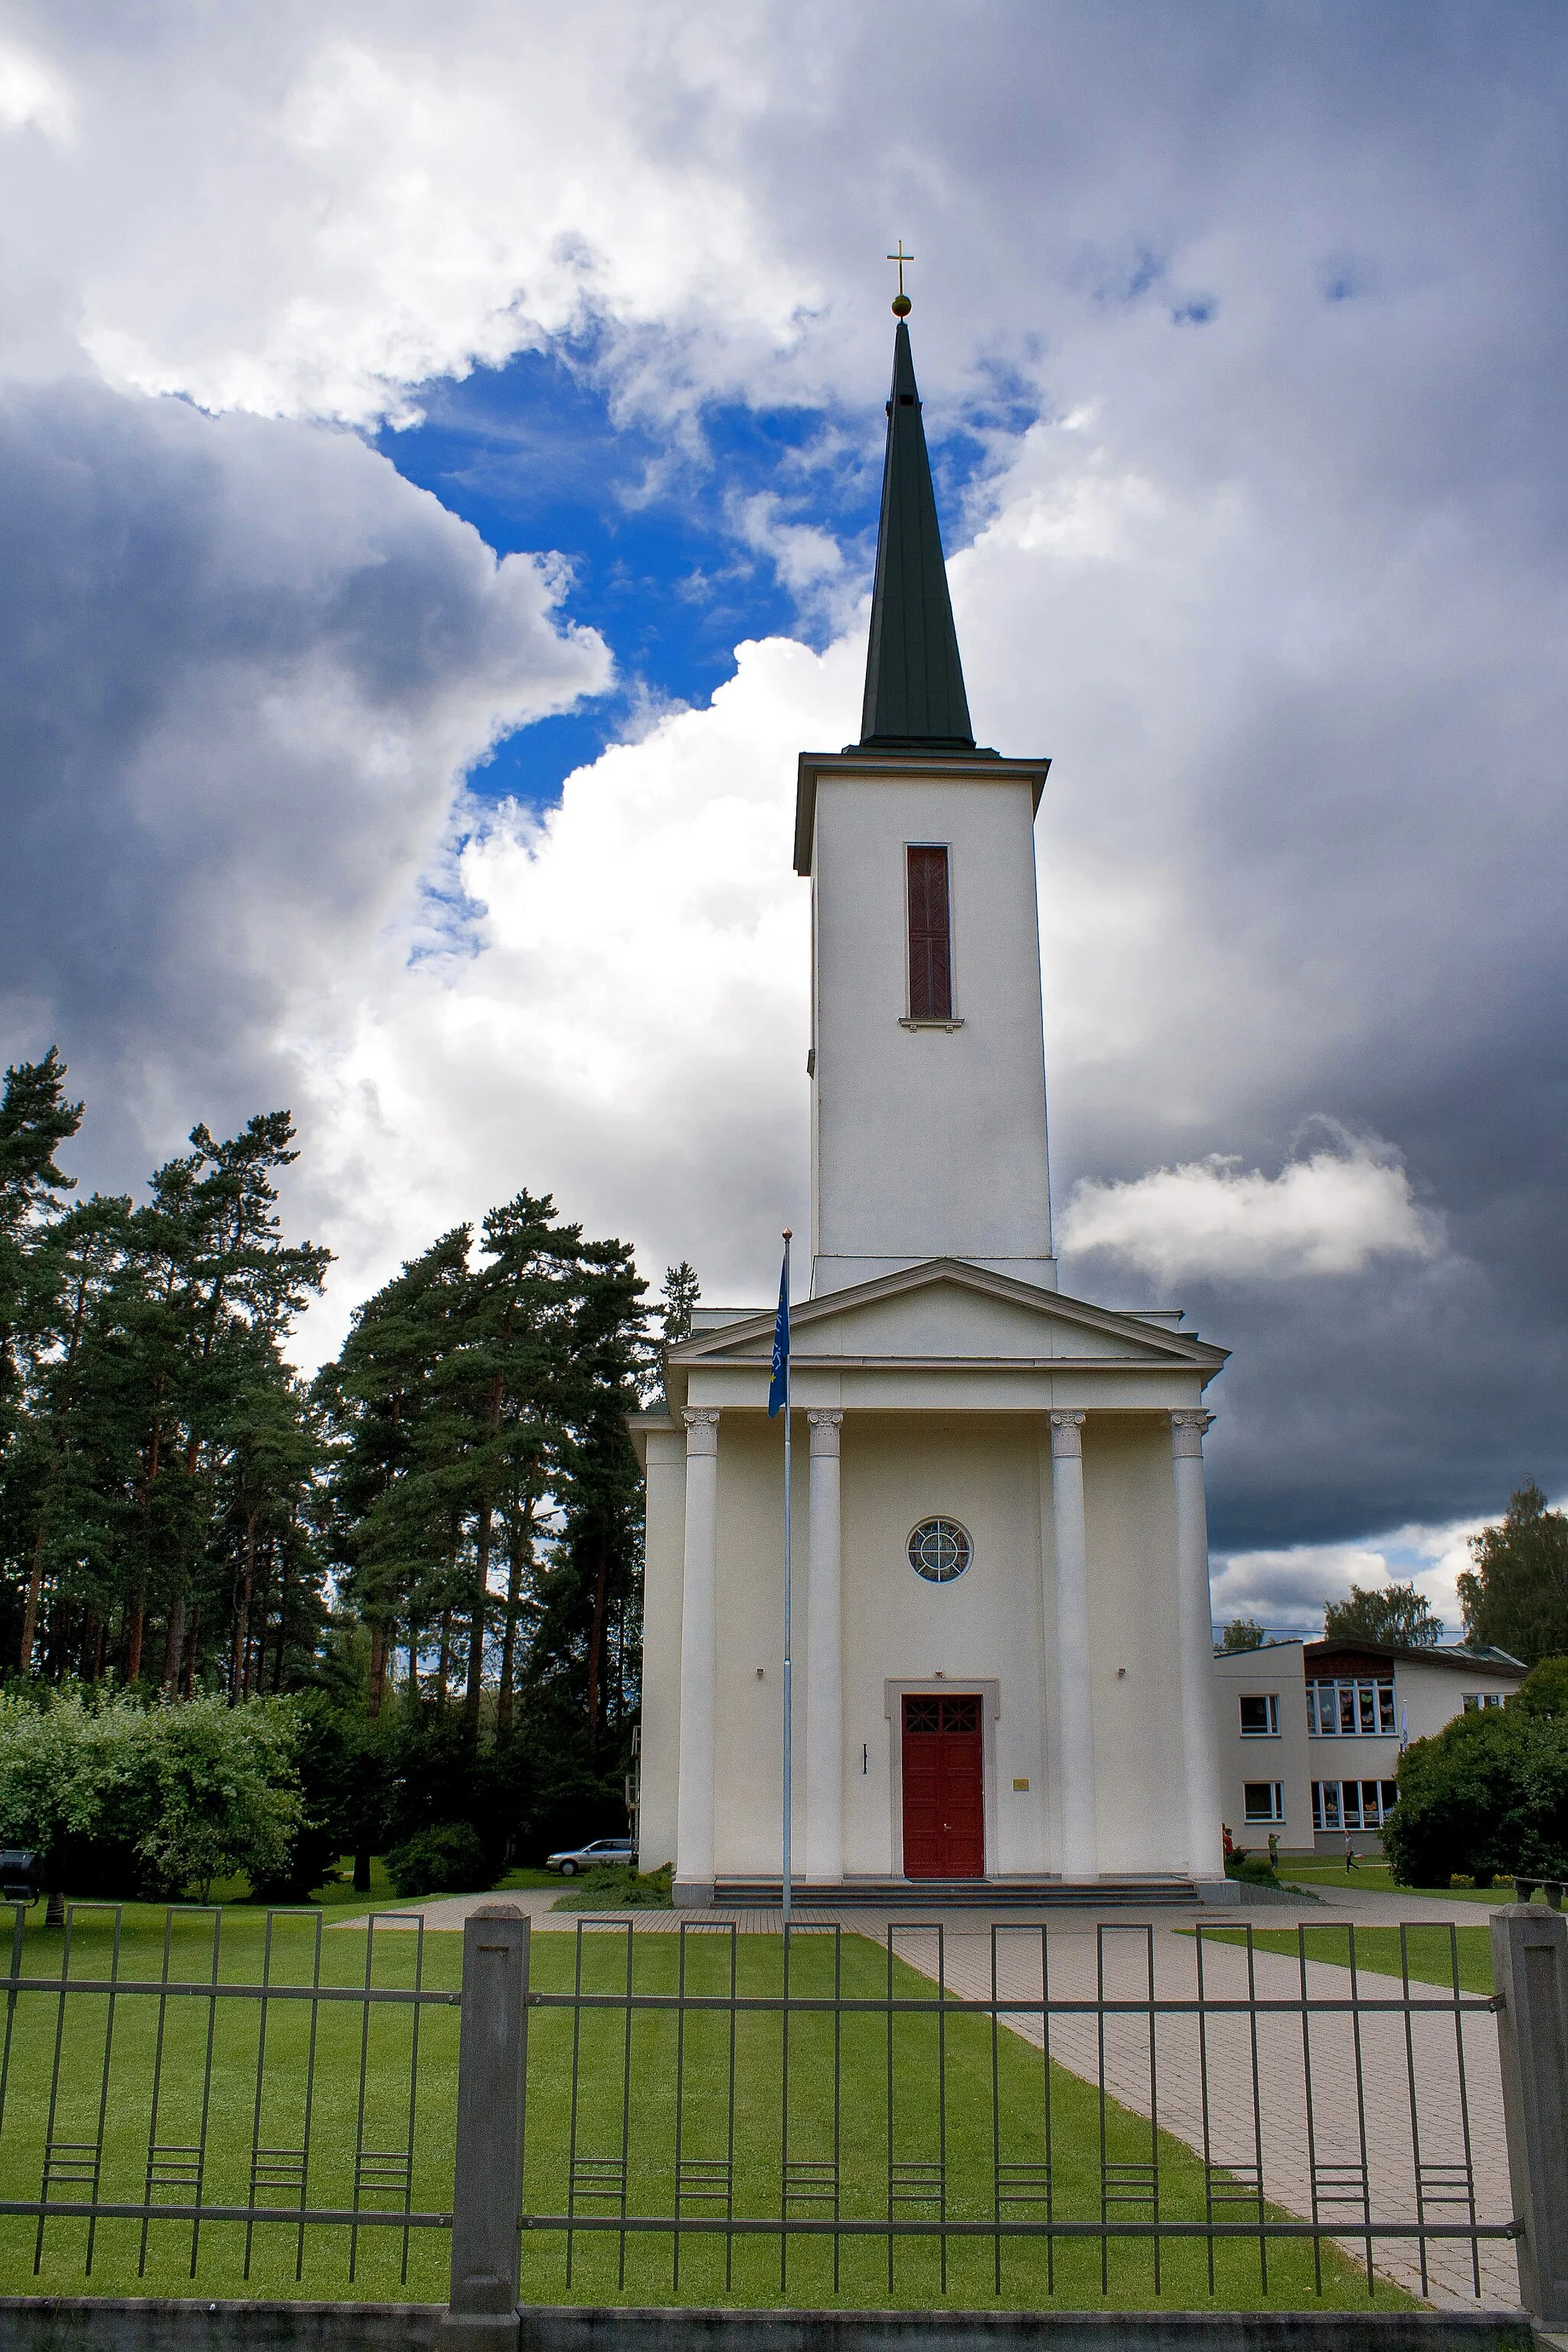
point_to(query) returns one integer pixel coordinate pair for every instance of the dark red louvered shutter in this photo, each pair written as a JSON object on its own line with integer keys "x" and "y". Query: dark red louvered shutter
{"x": 931, "y": 954}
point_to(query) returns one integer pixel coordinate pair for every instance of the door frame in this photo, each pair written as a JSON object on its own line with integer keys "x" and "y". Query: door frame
{"x": 895, "y": 1690}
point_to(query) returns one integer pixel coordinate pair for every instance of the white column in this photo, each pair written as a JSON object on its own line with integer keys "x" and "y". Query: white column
{"x": 824, "y": 1659}
{"x": 699, "y": 1661}
{"x": 1075, "y": 1727}
{"x": 1206, "y": 1857}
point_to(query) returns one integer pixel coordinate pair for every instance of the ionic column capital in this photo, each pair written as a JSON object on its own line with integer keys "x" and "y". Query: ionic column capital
{"x": 826, "y": 1425}
{"x": 1187, "y": 1435}
{"x": 701, "y": 1429}
{"x": 1066, "y": 1435}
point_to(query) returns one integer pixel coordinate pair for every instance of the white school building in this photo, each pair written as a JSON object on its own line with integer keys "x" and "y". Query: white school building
{"x": 1003, "y": 1651}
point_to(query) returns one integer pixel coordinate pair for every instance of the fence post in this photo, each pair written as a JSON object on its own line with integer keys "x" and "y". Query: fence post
{"x": 486, "y": 2197}
{"x": 1529, "y": 1968}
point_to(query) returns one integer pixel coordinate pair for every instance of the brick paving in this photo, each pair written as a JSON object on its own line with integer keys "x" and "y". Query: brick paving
{"x": 1237, "y": 2088}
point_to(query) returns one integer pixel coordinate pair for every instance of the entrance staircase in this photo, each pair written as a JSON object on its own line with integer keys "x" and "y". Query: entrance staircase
{"x": 956, "y": 1894}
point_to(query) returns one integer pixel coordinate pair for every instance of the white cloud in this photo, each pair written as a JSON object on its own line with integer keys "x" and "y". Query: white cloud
{"x": 33, "y": 97}
{"x": 1325, "y": 1215}
{"x": 244, "y": 666}
{"x": 630, "y": 1028}
{"x": 1285, "y": 1590}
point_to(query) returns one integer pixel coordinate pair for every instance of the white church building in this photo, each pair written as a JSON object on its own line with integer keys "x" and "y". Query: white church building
{"x": 1003, "y": 1651}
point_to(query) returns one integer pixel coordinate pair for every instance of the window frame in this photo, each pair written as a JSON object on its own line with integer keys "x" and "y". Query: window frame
{"x": 1270, "y": 1702}
{"x": 926, "y": 1015}
{"x": 1274, "y": 1816}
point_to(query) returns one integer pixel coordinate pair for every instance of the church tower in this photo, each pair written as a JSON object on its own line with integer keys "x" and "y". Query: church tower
{"x": 997, "y": 1546}
{"x": 927, "y": 1055}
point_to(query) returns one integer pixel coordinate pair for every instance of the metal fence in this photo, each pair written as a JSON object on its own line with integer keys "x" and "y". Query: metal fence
{"x": 209, "y": 2070}
{"x": 1042, "y": 2096}
{"x": 693, "y": 2114}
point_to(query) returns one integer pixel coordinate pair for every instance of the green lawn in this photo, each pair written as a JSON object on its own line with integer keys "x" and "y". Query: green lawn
{"x": 336, "y": 1896}
{"x": 629, "y": 2078}
{"x": 1427, "y": 1952}
{"x": 1329, "y": 1870}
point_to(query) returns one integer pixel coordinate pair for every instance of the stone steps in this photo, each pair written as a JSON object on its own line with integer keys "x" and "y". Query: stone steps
{"x": 956, "y": 1894}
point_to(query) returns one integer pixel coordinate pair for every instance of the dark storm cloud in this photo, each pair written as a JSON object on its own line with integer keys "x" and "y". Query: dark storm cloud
{"x": 239, "y": 664}
{"x": 1280, "y": 578}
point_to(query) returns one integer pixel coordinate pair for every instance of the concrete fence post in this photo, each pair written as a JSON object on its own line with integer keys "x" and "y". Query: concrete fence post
{"x": 1529, "y": 1968}
{"x": 486, "y": 2197}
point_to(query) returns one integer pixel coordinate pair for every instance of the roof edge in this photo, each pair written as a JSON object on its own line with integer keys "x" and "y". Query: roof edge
{"x": 1178, "y": 1348}
{"x": 986, "y": 767}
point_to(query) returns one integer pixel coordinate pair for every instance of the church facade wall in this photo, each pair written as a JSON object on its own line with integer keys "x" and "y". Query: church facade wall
{"x": 992, "y": 1629}
{"x": 901, "y": 1633}
{"x": 663, "y": 1562}
{"x": 1139, "y": 1770}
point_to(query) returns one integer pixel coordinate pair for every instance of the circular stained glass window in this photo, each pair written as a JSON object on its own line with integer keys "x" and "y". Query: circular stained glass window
{"x": 939, "y": 1550}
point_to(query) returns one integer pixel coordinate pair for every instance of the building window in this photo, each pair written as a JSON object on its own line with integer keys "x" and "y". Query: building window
{"x": 1263, "y": 1801}
{"x": 1474, "y": 1699}
{"x": 1363, "y": 1708}
{"x": 1352, "y": 1804}
{"x": 1260, "y": 1716}
{"x": 930, "y": 941}
{"x": 940, "y": 1550}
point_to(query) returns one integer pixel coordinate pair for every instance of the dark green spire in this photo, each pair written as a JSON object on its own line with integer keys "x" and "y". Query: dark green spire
{"x": 914, "y": 680}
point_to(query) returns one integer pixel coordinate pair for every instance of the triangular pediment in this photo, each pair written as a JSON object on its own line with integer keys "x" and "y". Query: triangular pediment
{"x": 949, "y": 1311}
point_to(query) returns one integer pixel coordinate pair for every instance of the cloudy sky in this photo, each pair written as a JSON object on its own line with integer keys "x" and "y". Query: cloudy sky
{"x": 439, "y": 452}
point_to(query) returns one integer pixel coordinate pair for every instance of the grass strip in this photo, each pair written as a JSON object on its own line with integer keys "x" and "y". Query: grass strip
{"x": 1425, "y": 1951}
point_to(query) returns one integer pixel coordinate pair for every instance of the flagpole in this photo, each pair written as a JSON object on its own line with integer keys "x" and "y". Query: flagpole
{"x": 788, "y": 1666}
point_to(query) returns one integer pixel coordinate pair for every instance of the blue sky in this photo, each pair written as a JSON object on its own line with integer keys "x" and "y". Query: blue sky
{"x": 534, "y": 455}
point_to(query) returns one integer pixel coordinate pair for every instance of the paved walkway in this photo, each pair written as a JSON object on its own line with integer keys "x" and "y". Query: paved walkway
{"x": 1388, "y": 2113}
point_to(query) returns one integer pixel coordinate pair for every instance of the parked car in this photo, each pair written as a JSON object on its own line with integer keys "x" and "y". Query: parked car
{"x": 600, "y": 1854}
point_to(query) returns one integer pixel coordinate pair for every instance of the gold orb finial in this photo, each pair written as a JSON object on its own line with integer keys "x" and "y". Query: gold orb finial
{"x": 902, "y": 306}
{"x": 901, "y": 303}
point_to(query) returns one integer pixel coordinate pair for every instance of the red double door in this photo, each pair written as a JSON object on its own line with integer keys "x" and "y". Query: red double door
{"x": 944, "y": 1788}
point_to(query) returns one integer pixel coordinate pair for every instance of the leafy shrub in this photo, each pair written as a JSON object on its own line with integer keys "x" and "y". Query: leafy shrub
{"x": 1488, "y": 1795}
{"x": 614, "y": 1889}
{"x": 449, "y": 1859}
{"x": 122, "y": 1797}
{"x": 1252, "y": 1869}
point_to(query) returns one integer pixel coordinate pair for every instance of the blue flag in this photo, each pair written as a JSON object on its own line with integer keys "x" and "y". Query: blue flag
{"x": 780, "y": 1388}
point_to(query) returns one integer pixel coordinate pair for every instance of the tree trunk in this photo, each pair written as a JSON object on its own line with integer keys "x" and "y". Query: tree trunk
{"x": 138, "y": 1627}
{"x": 189, "y": 1678}
{"x": 597, "y": 1641}
{"x": 481, "y": 1581}
{"x": 30, "y": 1613}
{"x": 362, "y": 1870}
{"x": 242, "y": 1615}
{"x": 476, "y": 1622}
{"x": 283, "y": 1625}
{"x": 413, "y": 1662}
{"x": 522, "y": 1549}
{"x": 445, "y": 1662}
{"x": 378, "y": 1649}
{"x": 173, "y": 1643}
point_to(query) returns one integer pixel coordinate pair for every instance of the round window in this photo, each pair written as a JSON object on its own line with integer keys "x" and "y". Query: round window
{"x": 939, "y": 1550}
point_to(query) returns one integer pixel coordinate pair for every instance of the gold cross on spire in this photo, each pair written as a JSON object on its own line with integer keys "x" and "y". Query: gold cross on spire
{"x": 901, "y": 300}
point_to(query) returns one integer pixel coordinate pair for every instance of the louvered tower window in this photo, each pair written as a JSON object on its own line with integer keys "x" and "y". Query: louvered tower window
{"x": 930, "y": 942}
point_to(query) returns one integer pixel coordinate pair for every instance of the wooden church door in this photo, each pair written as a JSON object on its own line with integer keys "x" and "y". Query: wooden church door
{"x": 944, "y": 1788}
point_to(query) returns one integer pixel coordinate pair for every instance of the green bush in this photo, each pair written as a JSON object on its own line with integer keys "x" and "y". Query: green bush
{"x": 121, "y": 1798}
{"x": 614, "y": 1889}
{"x": 1252, "y": 1869}
{"x": 449, "y": 1859}
{"x": 1488, "y": 1795}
